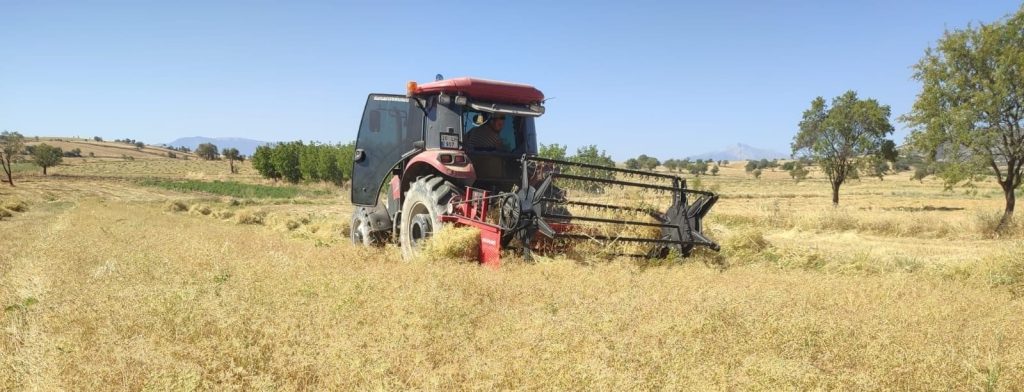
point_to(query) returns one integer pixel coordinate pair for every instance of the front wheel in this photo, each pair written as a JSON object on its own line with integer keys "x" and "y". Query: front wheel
{"x": 425, "y": 201}
{"x": 360, "y": 230}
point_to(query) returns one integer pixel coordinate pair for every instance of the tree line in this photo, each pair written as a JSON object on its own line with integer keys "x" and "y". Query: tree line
{"x": 697, "y": 167}
{"x": 297, "y": 161}
{"x": 588, "y": 154}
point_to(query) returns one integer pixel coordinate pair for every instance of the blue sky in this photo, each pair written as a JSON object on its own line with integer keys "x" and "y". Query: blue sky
{"x": 665, "y": 79}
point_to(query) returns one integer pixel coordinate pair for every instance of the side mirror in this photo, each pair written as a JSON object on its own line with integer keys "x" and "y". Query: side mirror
{"x": 375, "y": 121}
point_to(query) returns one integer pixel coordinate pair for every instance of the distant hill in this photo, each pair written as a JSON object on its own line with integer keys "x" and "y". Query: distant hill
{"x": 741, "y": 152}
{"x": 244, "y": 146}
{"x": 89, "y": 148}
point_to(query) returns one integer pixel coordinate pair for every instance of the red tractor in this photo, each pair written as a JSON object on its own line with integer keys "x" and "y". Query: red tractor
{"x": 464, "y": 152}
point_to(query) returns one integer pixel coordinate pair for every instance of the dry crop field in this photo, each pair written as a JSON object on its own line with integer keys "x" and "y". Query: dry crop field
{"x": 109, "y": 282}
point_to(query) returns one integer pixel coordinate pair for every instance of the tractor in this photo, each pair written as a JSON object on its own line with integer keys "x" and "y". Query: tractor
{"x": 463, "y": 152}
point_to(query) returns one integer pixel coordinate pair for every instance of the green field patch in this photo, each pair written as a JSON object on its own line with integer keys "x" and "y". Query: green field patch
{"x": 25, "y": 167}
{"x": 226, "y": 188}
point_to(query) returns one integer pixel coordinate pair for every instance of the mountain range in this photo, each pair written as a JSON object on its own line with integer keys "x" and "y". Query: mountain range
{"x": 245, "y": 146}
{"x": 741, "y": 152}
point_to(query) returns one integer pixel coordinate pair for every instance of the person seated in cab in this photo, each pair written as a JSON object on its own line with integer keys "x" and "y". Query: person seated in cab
{"x": 486, "y": 136}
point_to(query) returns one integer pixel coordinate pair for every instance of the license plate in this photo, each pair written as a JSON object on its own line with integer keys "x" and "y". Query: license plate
{"x": 449, "y": 141}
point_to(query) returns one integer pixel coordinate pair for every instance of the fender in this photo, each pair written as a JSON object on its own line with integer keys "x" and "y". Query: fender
{"x": 422, "y": 163}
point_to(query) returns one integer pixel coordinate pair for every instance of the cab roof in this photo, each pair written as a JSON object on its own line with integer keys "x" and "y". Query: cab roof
{"x": 483, "y": 90}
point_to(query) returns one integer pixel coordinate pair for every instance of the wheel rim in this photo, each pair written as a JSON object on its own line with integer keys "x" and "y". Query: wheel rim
{"x": 358, "y": 235}
{"x": 420, "y": 227}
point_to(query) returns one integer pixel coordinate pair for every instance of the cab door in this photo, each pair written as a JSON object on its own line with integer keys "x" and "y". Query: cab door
{"x": 390, "y": 126}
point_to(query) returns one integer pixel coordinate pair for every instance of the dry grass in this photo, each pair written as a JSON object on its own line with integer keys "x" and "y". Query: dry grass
{"x": 14, "y": 205}
{"x": 250, "y": 216}
{"x": 200, "y": 209}
{"x": 453, "y": 244}
{"x": 176, "y": 206}
{"x": 901, "y": 288}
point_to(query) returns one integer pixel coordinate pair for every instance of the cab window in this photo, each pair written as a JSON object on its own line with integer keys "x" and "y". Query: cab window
{"x": 511, "y": 133}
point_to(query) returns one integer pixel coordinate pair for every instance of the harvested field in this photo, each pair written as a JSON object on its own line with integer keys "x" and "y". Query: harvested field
{"x": 110, "y": 284}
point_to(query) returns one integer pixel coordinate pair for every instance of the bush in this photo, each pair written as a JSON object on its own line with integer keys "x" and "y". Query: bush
{"x": 987, "y": 223}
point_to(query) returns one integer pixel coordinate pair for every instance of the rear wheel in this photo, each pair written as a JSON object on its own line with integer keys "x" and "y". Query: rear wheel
{"x": 425, "y": 201}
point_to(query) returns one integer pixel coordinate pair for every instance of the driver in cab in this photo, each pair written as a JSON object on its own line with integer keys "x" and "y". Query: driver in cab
{"x": 485, "y": 137}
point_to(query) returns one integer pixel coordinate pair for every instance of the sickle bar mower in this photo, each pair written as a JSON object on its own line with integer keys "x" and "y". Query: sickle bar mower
{"x": 559, "y": 204}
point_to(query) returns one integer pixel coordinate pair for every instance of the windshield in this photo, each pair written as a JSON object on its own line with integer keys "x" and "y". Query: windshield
{"x": 492, "y": 131}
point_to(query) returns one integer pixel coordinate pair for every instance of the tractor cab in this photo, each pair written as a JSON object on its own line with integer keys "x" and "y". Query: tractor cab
{"x": 471, "y": 131}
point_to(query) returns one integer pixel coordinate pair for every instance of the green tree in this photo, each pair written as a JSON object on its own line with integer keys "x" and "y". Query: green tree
{"x": 969, "y": 116}
{"x": 842, "y": 137}
{"x": 11, "y": 144}
{"x": 878, "y": 168}
{"x": 798, "y": 172}
{"x": 650, "y": 163}
{"x": 286, "y": 160}
{"x": 632, "y": 163}
{"x": 763, "y": 164}
{"x": 345, "y": 153}
{"x": 309, "y": 162}
{"x": 46, "y": 156}
{"x": 263, "y": 162}
{"x": 232, "y": 155}
{"x": 699, "y": 167}
{"x": 750, "y": 166}
{"x": 922, "y": 171}
{"x": 552, "y": 151}
{"x": 646, "y": 162}
{"x": 207, "y": 151}
{"x": 331, "y": 168}
{"x": 671, "y": 164}
{"x": 590, "y": 155}
{"x": 714, "y": 170}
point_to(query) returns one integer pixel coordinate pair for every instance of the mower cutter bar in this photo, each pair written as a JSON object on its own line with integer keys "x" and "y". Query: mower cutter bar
{"x": 598, "y": 205}
{"x": 634, "y": 239}
{"x": 614, "y": 182}
{"x": 605, "y": 168}
{"x": 606, "y": 220}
